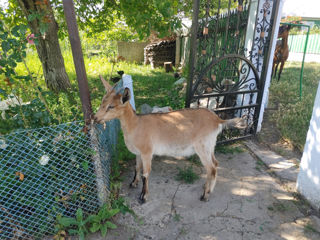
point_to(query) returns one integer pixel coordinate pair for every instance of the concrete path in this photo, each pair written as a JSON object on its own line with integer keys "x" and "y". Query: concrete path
{"x": 247, "y": 203}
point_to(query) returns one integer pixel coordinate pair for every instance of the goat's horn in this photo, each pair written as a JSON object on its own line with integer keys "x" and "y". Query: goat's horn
{"x": 107, "y": 86}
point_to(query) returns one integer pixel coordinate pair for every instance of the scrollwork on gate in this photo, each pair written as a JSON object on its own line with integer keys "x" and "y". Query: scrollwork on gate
{"x": 224, "y": 79}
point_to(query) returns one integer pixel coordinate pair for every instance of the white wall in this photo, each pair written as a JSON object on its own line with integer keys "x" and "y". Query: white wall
{"x": 308, "y": 183}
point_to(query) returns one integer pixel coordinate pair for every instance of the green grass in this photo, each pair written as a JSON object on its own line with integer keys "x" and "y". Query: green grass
{"x": 259, "y": 165}
{"x": 187, "y": 175}
{"x": 155, "y": 87}
{"x": 177, "y": 217}
{"x": 194, "y": 159}
{"x": 151, "y": 86}
{"x": 293, "y": 115}
{"x": 309, "y": 228}
{"x": 229, "y": 149}
{"x": 279, "y": 206}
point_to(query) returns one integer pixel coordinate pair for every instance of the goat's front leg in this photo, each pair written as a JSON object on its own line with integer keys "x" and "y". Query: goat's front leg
{"x": 146, "y": 166}
{"x": 136, "y": 177}
{"x": 275, "y": 70}
{"x": 281, "y": 68}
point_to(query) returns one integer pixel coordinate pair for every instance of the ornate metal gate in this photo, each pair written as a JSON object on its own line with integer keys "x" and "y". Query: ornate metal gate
{"x": 228, "y": 57}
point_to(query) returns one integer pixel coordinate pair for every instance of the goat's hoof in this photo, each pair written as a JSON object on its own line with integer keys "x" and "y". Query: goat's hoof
{"x": 142, "y": 198}
{"x": 204, "y": 198}
{"x": 133, "y": 185}
{"x": 142, "y": 201}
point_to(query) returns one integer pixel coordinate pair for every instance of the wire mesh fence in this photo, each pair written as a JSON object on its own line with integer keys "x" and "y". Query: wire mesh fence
{"x": 49, "y": 172}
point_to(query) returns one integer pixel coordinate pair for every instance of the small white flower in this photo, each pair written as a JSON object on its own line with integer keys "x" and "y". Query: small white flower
{"x": 44, "y": 160}
{"x": 3, "y": 144}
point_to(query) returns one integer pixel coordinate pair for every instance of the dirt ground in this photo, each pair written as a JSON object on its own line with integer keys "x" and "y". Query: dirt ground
{"x": 248, "y": 203}
{"x": 251, "y": 200}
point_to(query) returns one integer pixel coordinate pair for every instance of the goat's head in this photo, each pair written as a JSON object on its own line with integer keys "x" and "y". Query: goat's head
{"x": 113, "y": 103}
{"x": 284, "y": 31}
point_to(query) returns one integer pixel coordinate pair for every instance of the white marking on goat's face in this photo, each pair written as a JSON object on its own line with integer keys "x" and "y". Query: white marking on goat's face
{"x": 109, "y": 108}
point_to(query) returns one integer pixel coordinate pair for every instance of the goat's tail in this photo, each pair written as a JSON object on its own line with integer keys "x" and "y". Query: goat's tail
{"x": 239, "y": 123}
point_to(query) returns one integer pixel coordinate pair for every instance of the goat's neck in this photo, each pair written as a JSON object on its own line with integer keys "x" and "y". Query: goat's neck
{"x": 128, "y": 119}
{"x": 285, "y": 41}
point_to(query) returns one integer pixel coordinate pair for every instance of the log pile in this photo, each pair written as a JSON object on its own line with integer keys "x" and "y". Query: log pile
{"x": 157, "y": 53}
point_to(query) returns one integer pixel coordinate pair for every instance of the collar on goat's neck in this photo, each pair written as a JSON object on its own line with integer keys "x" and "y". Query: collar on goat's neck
{"x": 128, "y": 119}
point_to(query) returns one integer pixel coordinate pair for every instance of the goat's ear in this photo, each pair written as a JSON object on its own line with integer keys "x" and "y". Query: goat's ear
{"x": 126, "y": 95}
{"x": 106, "y": 85}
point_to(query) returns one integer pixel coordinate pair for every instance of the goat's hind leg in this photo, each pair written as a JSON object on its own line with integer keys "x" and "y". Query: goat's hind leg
{"x": 210, "y": 164}
{"x": 210, "y": 183}
{"x": 214, "y": 172}
{"x": 137, "y": 172}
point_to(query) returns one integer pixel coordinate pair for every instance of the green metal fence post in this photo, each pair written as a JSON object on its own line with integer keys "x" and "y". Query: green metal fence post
{"x": 303, "y": 58}
{"x": 304, "y": 52}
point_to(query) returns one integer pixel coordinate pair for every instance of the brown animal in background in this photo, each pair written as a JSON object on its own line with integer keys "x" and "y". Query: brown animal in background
{"x": 177, "y": 133}
{"x": 120, "y": 59}
{"x": 281, "y": 53}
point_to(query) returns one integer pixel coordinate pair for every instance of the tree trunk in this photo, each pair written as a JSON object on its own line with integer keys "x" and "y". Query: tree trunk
{"x": 43, "y": 25}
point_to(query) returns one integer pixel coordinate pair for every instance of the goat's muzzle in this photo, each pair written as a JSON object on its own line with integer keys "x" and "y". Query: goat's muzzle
{"x": 95, "y": 119}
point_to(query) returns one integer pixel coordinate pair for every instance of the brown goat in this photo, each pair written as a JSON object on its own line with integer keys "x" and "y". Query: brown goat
{"x": 177, "y": 133}
{"x": 281, "y": 52}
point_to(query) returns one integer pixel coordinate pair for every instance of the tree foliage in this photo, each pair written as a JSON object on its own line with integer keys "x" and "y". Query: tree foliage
{"x": 141, "y": 16}
{"x": 116, "y": 17}
{"x": 137, "y": 16}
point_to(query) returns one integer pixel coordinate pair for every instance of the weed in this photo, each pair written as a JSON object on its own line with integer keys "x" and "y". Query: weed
{"x": 182, "y": 231}
{"x": 120, "y": 204}
{"x": 177, "y": 217}
{"x": 194, "y": 159}
{"x": 259, "y": 165}
{"x": 309, "y": 228}
{"x": 187, "y": 175}
{"x": 280, "y": 151}
{"x": 93, "y": 223}
{"x": 262, "y": 225}
{"x": 228, "y": 149}
{"x": 270, "y": 208}
{"x": 140, "y": 221}
{"x": 279, "y": 206}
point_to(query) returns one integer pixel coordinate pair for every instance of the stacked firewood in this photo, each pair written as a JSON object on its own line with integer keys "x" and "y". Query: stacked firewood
{"x": 157, "y": 53}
